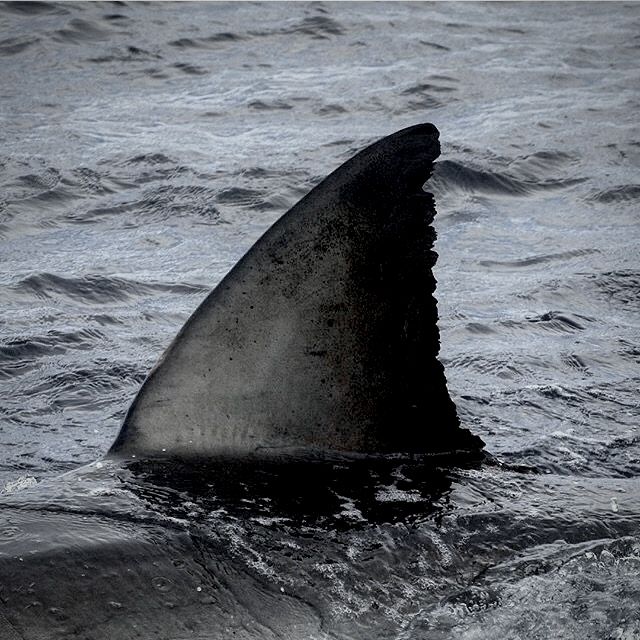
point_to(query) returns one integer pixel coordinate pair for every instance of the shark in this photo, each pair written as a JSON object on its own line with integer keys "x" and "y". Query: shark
{"x": 294, "y": 466}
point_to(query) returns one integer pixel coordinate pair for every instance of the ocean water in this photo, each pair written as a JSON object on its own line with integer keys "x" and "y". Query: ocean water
{"x": 145, "y": 147}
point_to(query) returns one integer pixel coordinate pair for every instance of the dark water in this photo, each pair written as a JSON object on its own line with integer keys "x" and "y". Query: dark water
{"x": 145, "y": 147}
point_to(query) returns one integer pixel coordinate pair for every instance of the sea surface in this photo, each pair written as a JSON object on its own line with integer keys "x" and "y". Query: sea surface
{"x": 145, "y": 146}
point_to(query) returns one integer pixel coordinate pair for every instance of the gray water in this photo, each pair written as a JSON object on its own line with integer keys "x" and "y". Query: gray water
{"x": 145, "y": 147}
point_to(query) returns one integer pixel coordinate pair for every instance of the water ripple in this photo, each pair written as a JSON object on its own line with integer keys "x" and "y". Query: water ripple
{"x": 159, "y": 203}
{"x": 558, "y": 321}
{"x": 18, "y": 44}
{"x": 51, "y": 343}
{"x": 206, "y": 42}
{"x": 620, "y": 193}
{"x": 622, "y": 286}
{"x": 318, "y": 27}
{"x": 451, "y": 175}
{"x": 539, "y": 259}
{"x": 126, "y": 54}
{"x": 80, "y": 31}
{"x": 96, "y": 289}
{"x": 33, "y": 8}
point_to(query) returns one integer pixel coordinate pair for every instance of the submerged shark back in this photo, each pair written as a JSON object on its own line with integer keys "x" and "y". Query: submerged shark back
{"x": 323, "y": 337}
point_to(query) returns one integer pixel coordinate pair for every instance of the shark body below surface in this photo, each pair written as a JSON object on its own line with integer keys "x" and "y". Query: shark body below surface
{"x": 293, "y": 550}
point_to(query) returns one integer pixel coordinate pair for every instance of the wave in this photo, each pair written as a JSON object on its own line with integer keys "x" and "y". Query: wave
{"x": 139, "y": 189}
{"x": 425, "y": 87}
{"x": 80, "y": 31}
{"x": 620, "y": 193}
{"x": 18, "y": 44}
{"x": 501, "y": 365}
{"x": 48, "y": 179}
{"x": 149, "y": 158}
{"x": 187, "y": 43}
{"x": 318, "y": 27}
{"x": 539, "y": 259}
{"x": 567, "y": 449}
{"x": 451, "y": 175}
{"x": 242, "y": 197}
{"x": 91, "y": 386}
{"x": 159, "y": 204}
{"x": 126, "y": 54}
{"x": 550, "y": 321}
{"x": 95, "y": 289}
{"x": 113, "y": 17}
{"x": 435, "y": 45}
{"x": 190, "y": 69}
{"x": 331, "y": 109}
{"x": 560, "y": 322}
{"x": 261, "y": 105}
{"x": 207, "y": 42}
{"x": 622, "y": 286}
{"x": 293, "y": 185}
{"x": 32, "y": 8}
{"x": 88, "y": 181}
{"x": 53, "y": 342}
{"x": 423, "y": 102}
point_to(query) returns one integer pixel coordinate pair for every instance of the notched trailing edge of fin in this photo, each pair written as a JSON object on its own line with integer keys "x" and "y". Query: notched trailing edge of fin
{"x": 323, "y": 338}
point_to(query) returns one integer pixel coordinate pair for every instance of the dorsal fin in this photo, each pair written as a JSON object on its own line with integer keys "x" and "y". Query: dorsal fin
{"x": 323, "y": 337}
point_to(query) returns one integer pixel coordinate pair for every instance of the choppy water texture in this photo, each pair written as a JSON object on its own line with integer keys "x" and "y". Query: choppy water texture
{"x": 145, "y": 147}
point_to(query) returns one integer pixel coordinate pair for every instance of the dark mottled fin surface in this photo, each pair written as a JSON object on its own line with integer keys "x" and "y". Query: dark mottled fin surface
{"x": 323, "y": 337}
